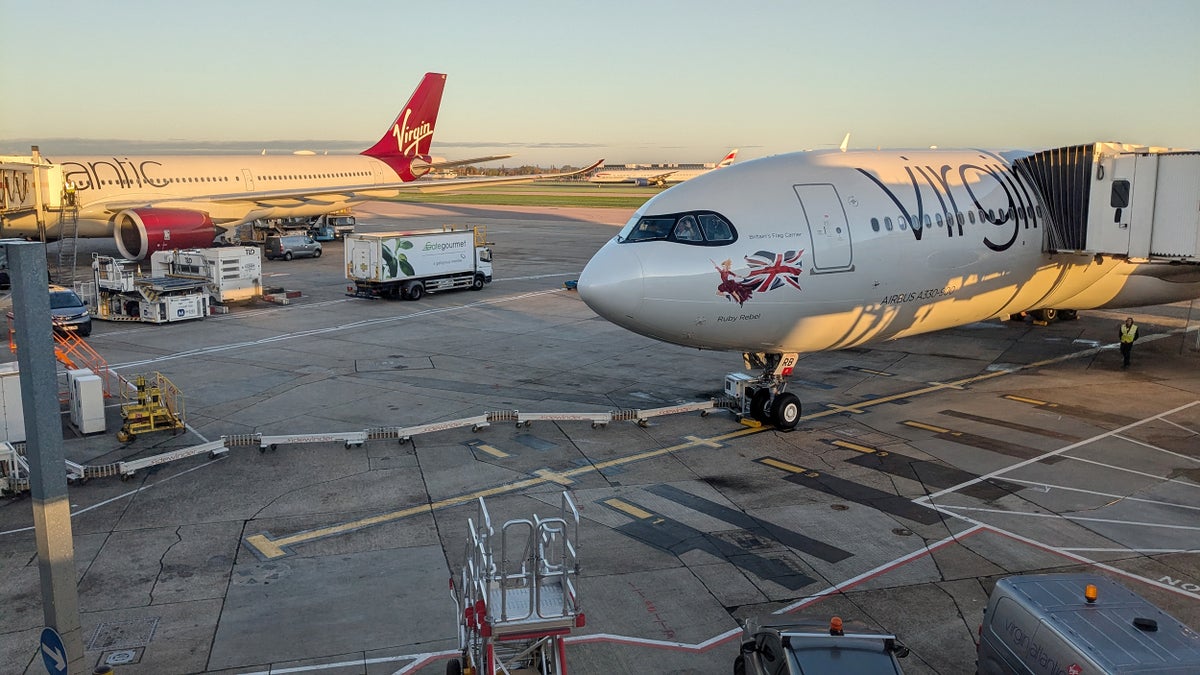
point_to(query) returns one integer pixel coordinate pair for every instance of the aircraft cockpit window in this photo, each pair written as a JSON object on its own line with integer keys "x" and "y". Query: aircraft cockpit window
{"x": 697, "y": 229}
{"x": 715, "y": 228}
{"x": 686, "y": 230}
{"x": 651, "y": 228}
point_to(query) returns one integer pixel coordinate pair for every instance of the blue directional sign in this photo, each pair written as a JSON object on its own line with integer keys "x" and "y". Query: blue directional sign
{"x": 54, "y": 654}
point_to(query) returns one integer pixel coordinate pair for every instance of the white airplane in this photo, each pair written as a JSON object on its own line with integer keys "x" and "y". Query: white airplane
{"x": 657, "y": 174}
{"x": 827, "y": 250}
{"x": 152, "y": 203}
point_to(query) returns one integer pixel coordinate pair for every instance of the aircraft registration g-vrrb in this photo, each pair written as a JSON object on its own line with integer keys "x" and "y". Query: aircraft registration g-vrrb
{"x": 827, "y": 250}
{"x": 153, "y": 203}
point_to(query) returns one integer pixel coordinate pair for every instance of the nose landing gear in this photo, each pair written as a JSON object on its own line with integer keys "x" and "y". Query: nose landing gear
{"x": 764, "y": 398}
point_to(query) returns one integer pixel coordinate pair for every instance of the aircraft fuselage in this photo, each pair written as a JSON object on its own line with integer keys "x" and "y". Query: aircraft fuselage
{"x": 829, "y": 250}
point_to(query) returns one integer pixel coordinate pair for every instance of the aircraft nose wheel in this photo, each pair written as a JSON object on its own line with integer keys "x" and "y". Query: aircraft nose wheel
{"x": 785, "y": 411}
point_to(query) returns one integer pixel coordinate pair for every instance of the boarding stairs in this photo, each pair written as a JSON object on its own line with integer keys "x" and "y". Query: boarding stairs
{"x": 1125, "y": 201}
{"x": 68, "y": 245}
{"x": 514, "y": 609}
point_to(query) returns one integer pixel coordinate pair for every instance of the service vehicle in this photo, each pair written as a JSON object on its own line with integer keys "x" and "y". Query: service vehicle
{"x": 814, "y": 647}
{"x": 68, "y": 312}
{"x": 331, "y": 226}
{"x": 291, "y": 246}
{"x": 230, "y": 273}
{"x": 409, "y": 264}
{"x": 120, "y": 291}
{"x": 1080, "y": 624}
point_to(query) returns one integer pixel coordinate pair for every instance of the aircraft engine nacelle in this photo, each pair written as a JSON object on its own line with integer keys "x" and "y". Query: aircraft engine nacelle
{"x": 140, "y": 232}
{"x": 641, "y": 182}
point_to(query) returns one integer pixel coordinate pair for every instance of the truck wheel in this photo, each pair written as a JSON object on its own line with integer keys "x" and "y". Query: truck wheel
{"x": 416, "y": 291}
{"x": 477, "y": 283}
{"x": 287, "y": 256}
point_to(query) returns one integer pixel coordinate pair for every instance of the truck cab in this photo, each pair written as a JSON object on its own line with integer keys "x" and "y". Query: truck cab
{"x": 331, "y": 226}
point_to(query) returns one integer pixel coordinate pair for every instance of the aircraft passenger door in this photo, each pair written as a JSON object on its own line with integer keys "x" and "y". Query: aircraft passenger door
{"x": 828, "y": 228}
{"x": 248, "y": 178}
{"x": 377, "y": 172}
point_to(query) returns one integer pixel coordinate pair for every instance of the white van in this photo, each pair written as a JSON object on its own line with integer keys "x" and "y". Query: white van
{"x": 1080, "y": 624}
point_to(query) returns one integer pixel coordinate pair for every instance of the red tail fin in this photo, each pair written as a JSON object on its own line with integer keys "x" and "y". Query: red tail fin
{"x": 411, "y": 134}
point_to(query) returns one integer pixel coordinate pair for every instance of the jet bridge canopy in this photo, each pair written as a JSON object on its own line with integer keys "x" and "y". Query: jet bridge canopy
{"x": 1122, "y": 200}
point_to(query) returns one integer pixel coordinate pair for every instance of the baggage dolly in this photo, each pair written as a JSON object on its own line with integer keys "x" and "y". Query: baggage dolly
{"x": 514, "y": 610}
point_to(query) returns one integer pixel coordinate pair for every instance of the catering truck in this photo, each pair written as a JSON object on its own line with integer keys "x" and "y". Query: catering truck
{"x": 409, "y": 264}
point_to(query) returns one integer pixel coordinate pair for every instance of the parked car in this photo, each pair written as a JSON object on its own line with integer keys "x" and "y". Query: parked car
{"x": 67, "y": 312}
{"x": 816, "y": 647}
{"x": 291, "y": 246}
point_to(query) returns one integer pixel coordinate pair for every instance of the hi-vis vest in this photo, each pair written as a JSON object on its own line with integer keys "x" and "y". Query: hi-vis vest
{"x": 1128, "y": 333}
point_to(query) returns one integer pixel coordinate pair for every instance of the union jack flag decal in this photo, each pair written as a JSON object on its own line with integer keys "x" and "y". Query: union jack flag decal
{"x": 769, "y": 271}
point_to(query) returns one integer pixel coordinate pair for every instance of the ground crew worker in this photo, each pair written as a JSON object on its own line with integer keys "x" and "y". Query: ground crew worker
{"x": 1129, "y": 333}
{"x": 69, "y": 191}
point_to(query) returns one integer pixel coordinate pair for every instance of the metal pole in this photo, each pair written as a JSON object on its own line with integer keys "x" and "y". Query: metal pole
{"x": 44, "y": 446}
{"x": 1188, "y": 324}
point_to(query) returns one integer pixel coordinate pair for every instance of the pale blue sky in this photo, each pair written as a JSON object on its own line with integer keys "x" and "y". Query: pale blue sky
{"x": 567, "y": 82}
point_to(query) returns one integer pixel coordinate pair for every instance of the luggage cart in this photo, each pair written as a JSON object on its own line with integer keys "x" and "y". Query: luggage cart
{"x": 515, "y": 610}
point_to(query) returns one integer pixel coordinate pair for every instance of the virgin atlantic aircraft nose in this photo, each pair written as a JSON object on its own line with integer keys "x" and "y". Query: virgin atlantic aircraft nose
{"x": 611, "y": 284}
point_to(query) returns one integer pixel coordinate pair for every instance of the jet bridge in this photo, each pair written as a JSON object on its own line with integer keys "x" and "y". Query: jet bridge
{"x": 1119, "y": 200}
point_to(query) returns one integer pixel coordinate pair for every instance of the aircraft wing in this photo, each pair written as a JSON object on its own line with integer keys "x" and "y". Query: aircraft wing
{"x": 464, "y": 162}
{"x": 331, "y": 195}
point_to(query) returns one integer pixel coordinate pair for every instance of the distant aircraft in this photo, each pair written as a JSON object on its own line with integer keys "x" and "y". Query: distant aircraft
{"x": 152, "y": 203}
{"x": 827, "y": 250}
{"x": 656, "y": 174}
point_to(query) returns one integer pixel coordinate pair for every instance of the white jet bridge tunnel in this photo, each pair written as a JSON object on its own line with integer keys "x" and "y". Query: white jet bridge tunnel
{"x": 1127, "y": 201}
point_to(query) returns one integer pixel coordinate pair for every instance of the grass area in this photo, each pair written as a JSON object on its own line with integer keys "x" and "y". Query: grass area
{"x": 539, "y": 194}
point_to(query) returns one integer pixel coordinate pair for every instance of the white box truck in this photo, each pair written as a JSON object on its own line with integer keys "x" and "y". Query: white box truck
{"x": 409, "y": 264}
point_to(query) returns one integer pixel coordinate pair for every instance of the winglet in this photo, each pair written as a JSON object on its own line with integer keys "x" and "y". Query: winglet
{"x": 411, "y": 135}
{"x": 845, "y": 142}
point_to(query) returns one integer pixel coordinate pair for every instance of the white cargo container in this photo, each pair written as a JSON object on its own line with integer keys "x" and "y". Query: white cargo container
{"x": 410, "y": 264}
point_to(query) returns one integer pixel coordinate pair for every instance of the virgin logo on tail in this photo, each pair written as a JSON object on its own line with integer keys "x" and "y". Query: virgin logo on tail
{"x": 411, "y": 134}
{"x": 408, "y": 140}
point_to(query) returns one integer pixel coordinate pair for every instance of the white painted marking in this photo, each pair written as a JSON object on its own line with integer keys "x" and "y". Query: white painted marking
{"x": 880, "y": 569}
{"x": 331, "y": 329}
{"x": 1088, "y": 519}
{"x": 1155, "y": 447}
{"x": 1053, "y": 453}
{"x": 123, "y": 496}
{"x": 1066, "y": 553}
{"x": 1127, "y": 498}
{"x": 1114, "y": 467}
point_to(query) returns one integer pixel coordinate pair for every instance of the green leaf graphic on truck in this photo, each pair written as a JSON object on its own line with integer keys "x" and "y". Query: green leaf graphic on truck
{"x": 397, "y": 260}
